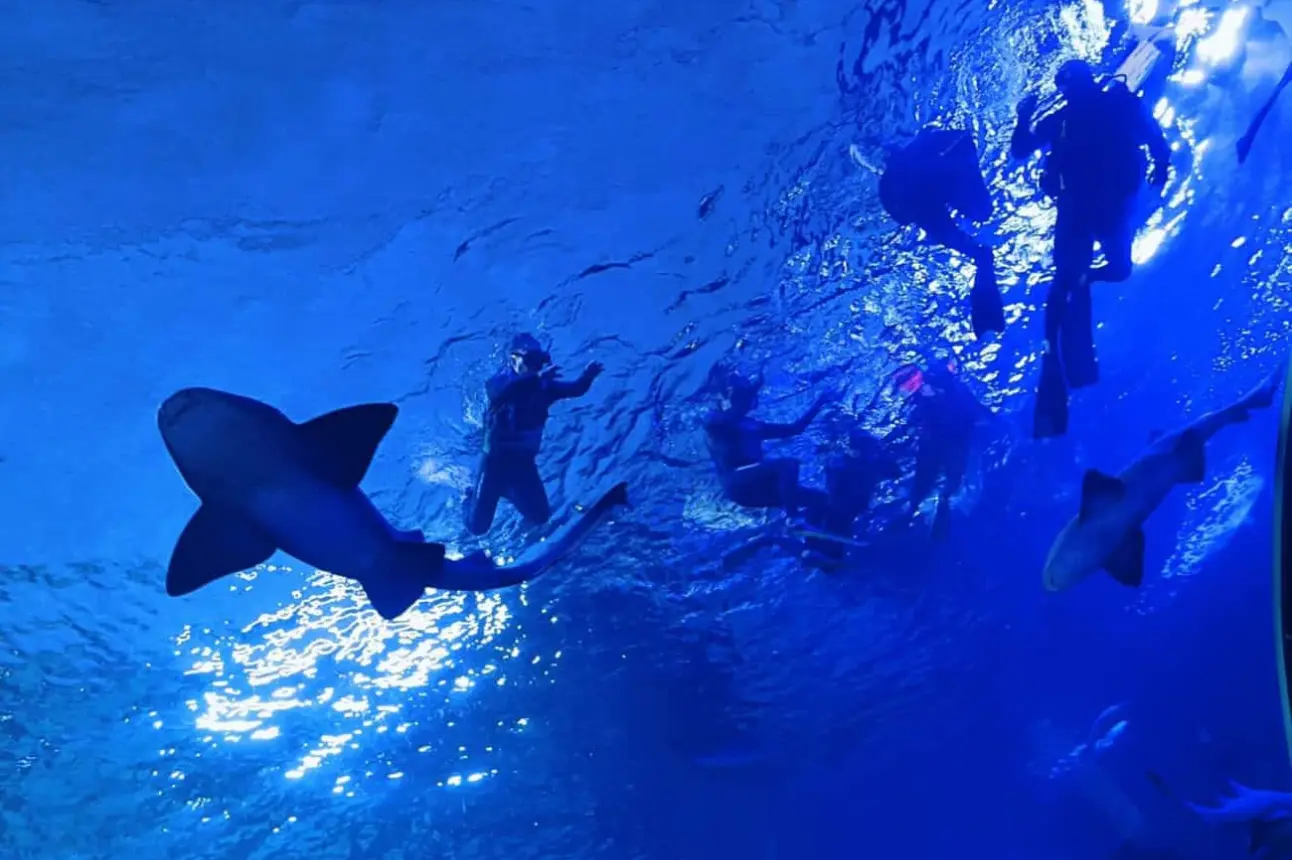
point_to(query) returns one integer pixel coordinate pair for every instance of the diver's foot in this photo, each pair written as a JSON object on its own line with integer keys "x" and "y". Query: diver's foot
{"x": 987, "y": 313}
{"x": 941, "y": 522}
{"x": 1050, "y": 418}
{"x": 1082, "y": 371}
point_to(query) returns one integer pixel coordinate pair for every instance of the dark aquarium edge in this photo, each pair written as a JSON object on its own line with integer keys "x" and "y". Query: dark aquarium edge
{"x": 1283, "y": 561}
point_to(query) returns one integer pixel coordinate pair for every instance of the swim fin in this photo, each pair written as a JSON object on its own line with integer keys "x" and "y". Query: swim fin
{"x": 1244, "y": 145}
{"x": 1051, "y": 416}
{"x": 986, "y": 309}
{"x": 1077, "y": 339}
{"x": 942, "y": 520}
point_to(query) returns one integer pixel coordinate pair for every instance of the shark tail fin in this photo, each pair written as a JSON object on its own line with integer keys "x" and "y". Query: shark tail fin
{"x": 408, "y": 569}
{"x": 477, "y": 572}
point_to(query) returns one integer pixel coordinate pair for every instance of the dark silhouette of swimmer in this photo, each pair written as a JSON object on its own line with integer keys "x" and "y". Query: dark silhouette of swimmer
{"x": 852, "y": 475}
{"x": 520, "y": 398}
{"x": 942, "y": 417}
{"x": 1094, "y": 171}
{"x": 736, "y": 442}
{"x": 922, "y": 182}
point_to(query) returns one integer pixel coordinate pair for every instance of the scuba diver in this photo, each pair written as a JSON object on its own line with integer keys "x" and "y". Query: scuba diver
{"x": 1094, "y": 172}
{"x": 943, "y": 414}
{"x": 736, "y": 440}
{"x": 852, "y": 475}
{"x": 519, "y": 400}
{"x": 923, "y": 180}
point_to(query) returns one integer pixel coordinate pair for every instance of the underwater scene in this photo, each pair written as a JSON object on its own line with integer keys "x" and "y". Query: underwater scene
{"x": 769, "y": 429}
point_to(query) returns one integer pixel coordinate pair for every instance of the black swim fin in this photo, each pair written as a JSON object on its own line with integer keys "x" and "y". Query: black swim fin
{"x": 1051, "y": 416}
{"x": 1077, "y": 339}
{"x": 942, "y": 520}
{"x": 986, "y": 309}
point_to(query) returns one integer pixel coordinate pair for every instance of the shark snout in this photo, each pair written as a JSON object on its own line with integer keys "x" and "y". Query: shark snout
{"x": 179, "y": 404}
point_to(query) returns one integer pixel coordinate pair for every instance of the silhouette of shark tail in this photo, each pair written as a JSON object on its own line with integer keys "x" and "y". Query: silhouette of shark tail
{"x": 409, "y": 567}
{"x": 477, "y": 572}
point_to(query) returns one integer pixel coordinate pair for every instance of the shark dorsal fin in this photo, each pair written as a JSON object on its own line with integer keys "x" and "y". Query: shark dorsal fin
{"x": 1098, "y": 491}
{"x": 342, "y": 444}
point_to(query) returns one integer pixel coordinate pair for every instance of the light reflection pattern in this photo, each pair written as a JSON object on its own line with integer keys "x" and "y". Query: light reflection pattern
{"x": 325, "y": 660}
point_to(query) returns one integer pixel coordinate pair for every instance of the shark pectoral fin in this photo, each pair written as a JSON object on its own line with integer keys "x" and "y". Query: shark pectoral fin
{"x": 1098, "y": 491}
{"x": 1192, "y": 451}
{"x": 1126, "y": 564}
{"x": 344, "y": 442}
{"x": 212, "y": 545}
{"x": 407, "y": 570}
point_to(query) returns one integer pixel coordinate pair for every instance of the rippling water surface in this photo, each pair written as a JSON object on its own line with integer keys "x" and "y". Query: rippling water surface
{"x": 648, "y": 702}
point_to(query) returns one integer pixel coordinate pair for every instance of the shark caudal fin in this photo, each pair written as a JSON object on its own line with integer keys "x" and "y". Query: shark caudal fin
{"x": 406, "y": 571}
{"x": 215, "y": 543}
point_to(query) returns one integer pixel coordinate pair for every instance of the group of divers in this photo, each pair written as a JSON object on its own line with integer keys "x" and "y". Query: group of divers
{"x": 269, "y": 484}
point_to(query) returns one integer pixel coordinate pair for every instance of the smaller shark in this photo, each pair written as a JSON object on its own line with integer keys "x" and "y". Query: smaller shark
{"x": 267, "y": 483}
{"x": 1108, "y": 532}
{"x": 1267, "y": 815}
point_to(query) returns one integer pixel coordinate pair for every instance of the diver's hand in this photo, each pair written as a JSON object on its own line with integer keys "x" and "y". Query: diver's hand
{"x": 593, "y": 370}
{"x": 1026, "y": 107}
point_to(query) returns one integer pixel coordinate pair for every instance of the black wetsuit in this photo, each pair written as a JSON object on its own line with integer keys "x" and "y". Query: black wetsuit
{"x": 518, "y": 411}
{"x": 851, "y": 479}
{"x": 933, "y": 174}
{"x": 736, "y": 446}
{"x": 1094, "y": 172}
{"x": 943, "y": 415}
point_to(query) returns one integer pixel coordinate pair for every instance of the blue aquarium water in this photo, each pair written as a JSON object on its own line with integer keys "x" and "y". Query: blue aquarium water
{"x": 318, "y": 204}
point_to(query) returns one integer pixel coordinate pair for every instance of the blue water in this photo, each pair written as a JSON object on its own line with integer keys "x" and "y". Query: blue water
{"x": 320, "y": 204}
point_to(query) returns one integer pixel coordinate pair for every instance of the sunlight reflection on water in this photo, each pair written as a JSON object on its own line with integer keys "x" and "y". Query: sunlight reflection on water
{"x": 328, "y": 652}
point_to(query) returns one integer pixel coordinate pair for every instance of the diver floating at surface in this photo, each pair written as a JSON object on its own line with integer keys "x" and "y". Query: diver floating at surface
{"x": 943, "y": 416}
{"x": 520, "y": 398}
{"x": 922, "y": 181}
{"x": 1094, "y": 171}
{"x": 735, "y": 439}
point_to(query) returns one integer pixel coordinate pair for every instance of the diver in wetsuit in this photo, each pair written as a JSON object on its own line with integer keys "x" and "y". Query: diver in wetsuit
{"x": 851, "y": 477}
{"x": 736, "y": 445}
{"x": 519, "y": 400}
{"x": 1094, "y": 172}
{"x": 934, "y": 173}
{"x": 943, "y": 415}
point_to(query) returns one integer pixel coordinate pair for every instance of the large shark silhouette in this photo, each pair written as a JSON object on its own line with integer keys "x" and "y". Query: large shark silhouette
{"x": 268, "y": 484}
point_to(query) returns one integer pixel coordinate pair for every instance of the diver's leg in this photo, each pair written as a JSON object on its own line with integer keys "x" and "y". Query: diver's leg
{"x": 1074, "y": 250}
{"x": 769, "y": 484}
{"x": 480, "y": 504}
{"x": 969, "y": 193}
{"x": 987, "y": 313}
{"x": 1050, "y": 417}
{"x": 1115, "y": 241}
{"x": 525, "y": 490}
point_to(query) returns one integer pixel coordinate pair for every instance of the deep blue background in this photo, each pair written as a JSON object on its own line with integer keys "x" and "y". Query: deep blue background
{"x": 320, "y": 204}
